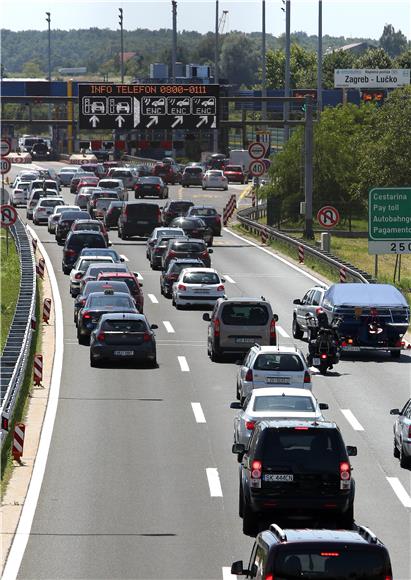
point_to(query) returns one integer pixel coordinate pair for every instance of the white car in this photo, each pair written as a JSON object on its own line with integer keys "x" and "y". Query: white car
{"x": 19, "y": 194}
{"x": 202, "y": 286}
{"x": 54, "y": 217}
{"x": 45, "y": 207}
{"x": 274, "y": 403}
{"x": 214, "y": 179}
{"x": 37, "y": 194}
{"x": 275, "y": 366}
{"x": 77, "y": 273}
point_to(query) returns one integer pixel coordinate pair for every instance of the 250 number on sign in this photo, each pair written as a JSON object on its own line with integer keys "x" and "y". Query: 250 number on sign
{"x": 400, "y": 247}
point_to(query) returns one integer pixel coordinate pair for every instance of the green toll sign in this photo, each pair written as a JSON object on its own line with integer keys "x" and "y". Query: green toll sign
{"x": 389, "y": 220}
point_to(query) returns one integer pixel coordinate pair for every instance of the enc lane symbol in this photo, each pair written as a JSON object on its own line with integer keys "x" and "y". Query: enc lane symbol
{"x": 328, "y": 216}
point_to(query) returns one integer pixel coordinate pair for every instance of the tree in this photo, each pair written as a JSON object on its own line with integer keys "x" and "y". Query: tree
{"x": 32, "y": 70}
{"x": 374, "y": 58}
{"x": 404, "y": 59}
{"x": 394, "y": 43}
{"x": 303, "y": 68}
{"x": 335, "y": 60}
{"x": 239, "y": 59}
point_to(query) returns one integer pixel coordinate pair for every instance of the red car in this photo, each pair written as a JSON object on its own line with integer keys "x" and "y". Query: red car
{"x": 133, "y": 285}
{"x": 91, "y": 181}
{"x": 235, "y": 173}
{"x": 169, "y": 173}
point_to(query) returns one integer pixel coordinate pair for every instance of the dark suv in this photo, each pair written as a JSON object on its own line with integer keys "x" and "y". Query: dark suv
{"x": 317, "y": 554}
{"x": 187, "y": 248}
{"x": 173, "y": 209}
{"x": 138, "y": 219}
{"x": 75, "y": 243}
{"x": 295, "y": 468}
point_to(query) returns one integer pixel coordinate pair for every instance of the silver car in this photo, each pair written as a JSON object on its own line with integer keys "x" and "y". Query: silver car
{"x": 54, "y": 217}
{"x": 44, "y": 208}
{"x": 80, "y": 268}
{"x": 276, "y": 366}
{"x": 402, "y": 434}
{"x": 274, "y": 403}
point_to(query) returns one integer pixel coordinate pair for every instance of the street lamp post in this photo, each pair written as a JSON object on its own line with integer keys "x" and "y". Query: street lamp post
{"x": 174, "y": 45}
{"x": 287, "y": 69}
{"x": 48, "y": 20}
{"x": 120, "y": 20}
{"x": 320, "y": 60}
{"x": 263, "y": 66}
{"x": 216, "y": 68}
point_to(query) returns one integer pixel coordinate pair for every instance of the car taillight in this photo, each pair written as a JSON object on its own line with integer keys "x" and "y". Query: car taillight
{"x": 101, "y": 336}
{"x": 103, "y": 229}
{"x": 300, "y": 428}
{"x": 86, "y": 315}
{"x": 250, "y": 425}
{"x": 329, "y": 554}
{"x": 138, "y": 186}
{"x": 249, "y": 375}
{"x": 83, "y": 301}
{"x": 269, "y": 577}
{"x": 272, "y": 330}
{"x": 218, "y": 219}
{"x": 70, "y": 252}
{"x": 204, "y": 254}
{"x": 323, "y": 356}
{"x": 307, "y": 377}
{"x": 171, "y": 253}
{"x": 345, "y": 471}
{"x": 220, "y": 288}
{"x": 78, "y": 276}
{"x": 157, "y": 187}
{"x": 216, "y": 323}
{"x": 182, "y": 287}
{"x": 172, "y": 276}
{"x": 256, "y": 468}
{"x": 146, "y": 337}
{"x": 409, "y": 432}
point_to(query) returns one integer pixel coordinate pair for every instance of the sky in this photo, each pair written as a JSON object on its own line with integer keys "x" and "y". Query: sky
{"x": 349, "y": 18}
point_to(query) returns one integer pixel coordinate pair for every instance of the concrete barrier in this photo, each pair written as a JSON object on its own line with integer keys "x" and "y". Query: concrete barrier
{"x": 19, "y": 157}
{"x": 82, "y": 158}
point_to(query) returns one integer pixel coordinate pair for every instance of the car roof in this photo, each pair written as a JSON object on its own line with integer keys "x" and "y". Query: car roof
{"x": 293, "y": 423}
{"x": 200, "y": 269}
{"x": 118, "y": 274}
{"x": 105, "y": 283}
{"x": 96, "y": 257}
{"x": 202, "y": 207}
{"x": 279, "y": 392}
{"x": 86, "y": 221}
{"x": 278, "y": 349}
{"x": 241, "y": 299}
{"x": 125, "y": 316}
{"x": 321, "y": 535}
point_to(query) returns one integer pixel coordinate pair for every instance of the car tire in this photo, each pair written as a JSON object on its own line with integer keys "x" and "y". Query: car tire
{"x": 405, "y": 461}
{"x": 395, "y": 353}
{"x": 66, "y": 270}
{"x": 203, "y": 188}
{"x": 395, "y": 451}
{"x": 241, "y": 502}
{"x": 346, "y": 520}
{"x": 215, "y": 355}
{"x": 226, "y": 189}
{"x": 297, "y": 332}
{"x": 323, "y": 368}
{"x": 250, "y": 522}
{"x": 95, "y": 363}
{"x": 82, "y": 339}
{"x": 154, "y": 363}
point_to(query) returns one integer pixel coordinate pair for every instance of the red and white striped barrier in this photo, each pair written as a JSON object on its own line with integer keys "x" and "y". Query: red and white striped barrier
{"x": 253, "y": 198}
{"x": 301, "y": 254}
{"x": 264, "y": 236}
{"x": 40, "y": 267}
{"x": 38, "y": 369}
{"x": 343, "y": 275}
{"x": 46, "y": 310}
{"x": 18, "y": 441}
{"x": 229, "y": 209}
{"x": 33, "y": 323}
{"x": 34, "y": 244}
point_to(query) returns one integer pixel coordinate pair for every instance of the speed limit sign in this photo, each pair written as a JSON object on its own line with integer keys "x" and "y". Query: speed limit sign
{"x": 257, "y": 168}
{"x": 5, "y": 166}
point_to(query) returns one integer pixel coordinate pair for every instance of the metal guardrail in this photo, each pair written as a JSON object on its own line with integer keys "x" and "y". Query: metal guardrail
{"x": 249, "y": 218}
{"x": 139, "y": 160}
{"x": 17, "y": 348}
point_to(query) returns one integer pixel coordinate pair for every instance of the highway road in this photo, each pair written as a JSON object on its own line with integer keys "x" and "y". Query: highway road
{"x": 140, "y": 479}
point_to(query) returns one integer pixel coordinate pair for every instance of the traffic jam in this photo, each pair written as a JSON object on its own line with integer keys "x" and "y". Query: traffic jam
{"x": 293, "y": 463}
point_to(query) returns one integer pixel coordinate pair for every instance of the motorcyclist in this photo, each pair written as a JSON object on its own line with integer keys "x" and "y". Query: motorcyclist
{"x": 322, "y": 331}
{"x": 373, "y": 322}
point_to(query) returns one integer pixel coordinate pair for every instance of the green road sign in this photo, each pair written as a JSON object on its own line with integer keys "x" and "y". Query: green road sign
{"x": 389, "y": 220}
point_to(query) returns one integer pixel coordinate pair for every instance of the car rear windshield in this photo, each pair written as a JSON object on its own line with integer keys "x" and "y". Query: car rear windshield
{"x": 142, "y": 210}
{"x": 330, "y": 561}
{"x": 203, "y": 211}
{"x": 245, "y": 314}
{"x": 201, "y": 278}
{"x": 193, "y": 170}
{"x": 103, "y": 285}
{"x": 236, "y": 168}
{"x": 124, "y": 326}
{"x": 51, "y": 202}
{"x": 131, "y": 283}
{"x": 316, "y": 449}
{"x": 176, "y": 268}
{"x": 119, "y": 173}
{"x": 86, "y": 240}
{"x": 188, "y": 247}
{"x": 75, "y": 215}
{"x": 88, "y": 227}
{"x": 216, "y": 173}
{"x": 180, "y": 205}
{"x": 109, "y": 184}
{"x": 279, "y": 362}
{"x": 117, "y": 300}
{"x": 103, "y": 202}
{"x": 283, "y": 403}
{"x": 150, "y": 180}
{"x": 193, "y": 222}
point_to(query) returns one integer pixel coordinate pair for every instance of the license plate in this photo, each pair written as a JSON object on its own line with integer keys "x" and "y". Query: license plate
{"x": 142, "y": 221}
{"x": 146, "y": 186}
{"x": 201, "y": 291}
{"x": 352, "y": 348}
{"x": 316, "y": 361}
{"x": 246, "y": 340}
{"x": 123, "y": 352}
{"x": 278, "y": 477}
{"x": 278, "y": 380}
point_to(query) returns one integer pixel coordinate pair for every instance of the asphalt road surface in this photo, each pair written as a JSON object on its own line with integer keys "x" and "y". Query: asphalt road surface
{"x": 141, "y": 483}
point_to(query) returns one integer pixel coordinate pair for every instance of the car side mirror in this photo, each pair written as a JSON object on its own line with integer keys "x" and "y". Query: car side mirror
{"x": 210, "y": 251}
{"x": 351, "y": 450}
{"x": 110, "y": 244}
{"x": 297, "y": 301}
{"x": 122, "y": 260}
{"x": 140, "y": 284}
{"x": 238, "y": 448}
{"x": 324, "y": 406}
{"x": 223, "y": 280}
{"x": 394, "y": 412}
{"x": 153, "y": 326}
{"x": 206, "y": 316}
{"x": 235, "y": 405}
{"x": 237, "y": 568}
{"x": 275, "y": 317}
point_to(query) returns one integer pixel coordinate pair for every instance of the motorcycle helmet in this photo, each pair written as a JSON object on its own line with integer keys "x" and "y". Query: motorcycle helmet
{"x": 322, "y": 318}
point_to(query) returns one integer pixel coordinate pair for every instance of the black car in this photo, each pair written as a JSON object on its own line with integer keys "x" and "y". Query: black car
{"x": 65, "y": 221}
{"x": 112, "y": 214}
{"x": 75, "y": 243}
{"x": 138, "y": 219}
{"x": 295, "y": 468}
{"x": 42, "y": 152}
{"x": 317, "y": 554}
{"x": 194, "y": 227}
{"x": 209, "y": 215}
{"x": 169, "y": 276}
{"x": 97, "y": 286}
{"x": 186, "y": 249}
{"x": 123, "y": 337}
{"x": 173, "y": 209}
{"x": 160, "y": 233}
{"x": 157, "y": 252}
{"x": 143, "y": 170}
{"x": 150, "y": 186}
{"x": 97, "y": 304}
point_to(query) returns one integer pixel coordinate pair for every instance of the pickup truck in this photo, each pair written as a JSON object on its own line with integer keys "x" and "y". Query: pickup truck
{"x": 374, "y": 316}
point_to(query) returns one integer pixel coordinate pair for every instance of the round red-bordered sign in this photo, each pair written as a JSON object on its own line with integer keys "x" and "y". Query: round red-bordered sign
{"x": 256, "y": 150}
{"x": 5, "y": 147}
{"x": 257, "y": 168}
{"x": 8, "y": 216}
{"x": 328, "y": 216}
{"x": 5, "y": 165}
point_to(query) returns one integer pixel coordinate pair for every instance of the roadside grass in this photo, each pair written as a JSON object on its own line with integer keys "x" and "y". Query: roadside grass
{"x": 21, "y": 407}
{"x": 10, "y": 284}
{"x": 357, "y": 225}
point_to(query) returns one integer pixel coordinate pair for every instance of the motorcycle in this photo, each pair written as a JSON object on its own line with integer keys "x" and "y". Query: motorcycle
{"x": 324, "y": 346}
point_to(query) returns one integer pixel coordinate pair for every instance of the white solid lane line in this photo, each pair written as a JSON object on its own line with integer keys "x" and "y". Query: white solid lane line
{"x": 214, "y": 482}
{"x": 353, "y": 421}
{"x": 153, "y": 298}
{"x": 183, "y": 364}
{"x": 281, "y": 331}
{"x": 168, "y": 326}
{"x": 399, "y": 491}
{"x": 198, "y": 412}
{"x": 227, "y": 574}
{"x": 229, "y": 279}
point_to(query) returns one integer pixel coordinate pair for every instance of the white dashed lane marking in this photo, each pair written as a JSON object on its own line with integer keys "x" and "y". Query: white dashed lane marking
{"x": 229, "y": 279}
{"x": 183, "y": 364}
{"x": 214, "y": 482}
{"x": 153, "y": 298}
{"x": 353, "y": 421}
{"x": 281, "y": 331}
{"x": 198, "y": 413}
{"x": 168, "y": 326}
{"x": 400, "y": 491}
